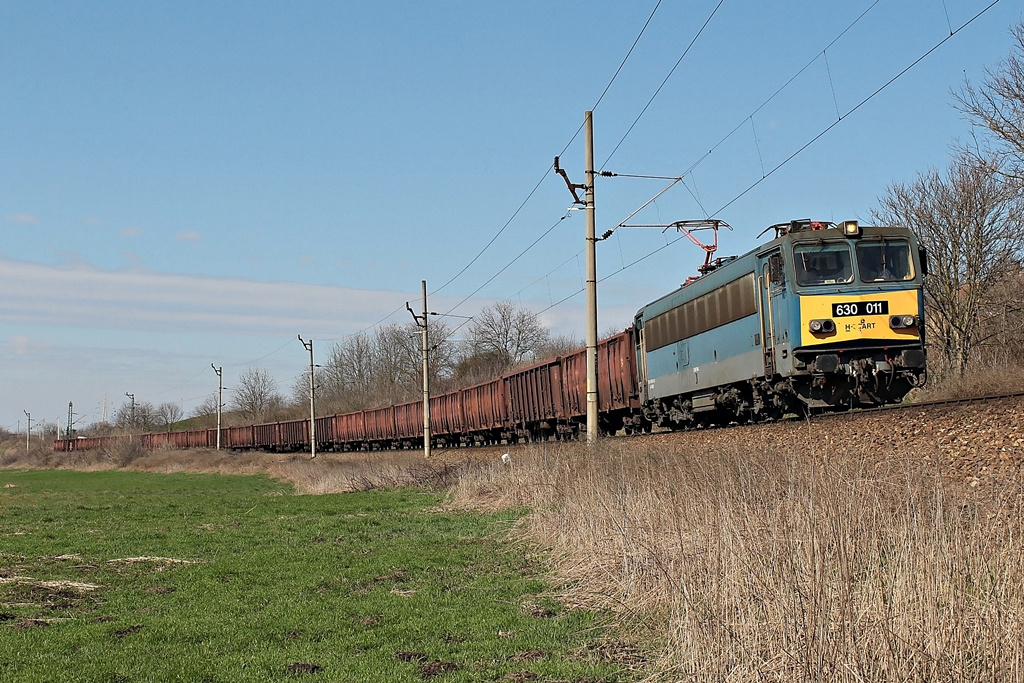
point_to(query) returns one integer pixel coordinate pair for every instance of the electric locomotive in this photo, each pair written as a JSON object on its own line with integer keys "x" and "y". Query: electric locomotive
{"x": 823, "y": 317}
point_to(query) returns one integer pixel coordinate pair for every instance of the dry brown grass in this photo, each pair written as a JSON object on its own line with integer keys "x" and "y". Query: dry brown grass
{"x": 783, "y": 565}
{"x": 328, "y": 473}
{"x": 982, "y": 380}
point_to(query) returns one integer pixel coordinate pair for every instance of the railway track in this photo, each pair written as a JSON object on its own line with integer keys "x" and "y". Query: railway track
{"x": 941, "y": 402}
{"x": 976, "y": 439}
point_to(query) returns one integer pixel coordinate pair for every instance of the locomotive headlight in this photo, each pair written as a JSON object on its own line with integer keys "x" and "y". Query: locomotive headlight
{"x": 899, "y": 322}
{"x": 823, "y": 326}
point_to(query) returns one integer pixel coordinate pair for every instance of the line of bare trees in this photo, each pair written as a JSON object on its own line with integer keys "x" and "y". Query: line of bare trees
{"x": 382, "y": 367}
{"x": 970, "y": 218}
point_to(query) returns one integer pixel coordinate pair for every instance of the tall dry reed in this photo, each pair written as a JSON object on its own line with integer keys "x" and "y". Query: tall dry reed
{"x": 789, "y": 565}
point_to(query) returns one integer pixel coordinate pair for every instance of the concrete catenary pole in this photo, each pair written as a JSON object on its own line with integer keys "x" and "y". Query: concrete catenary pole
{"x": 592, "y": 425}
{"x": 312, "y": 400}
{"x": 220, "y": 397}
{"x": 28, "y": 428}
{"x": 426, "y": 379}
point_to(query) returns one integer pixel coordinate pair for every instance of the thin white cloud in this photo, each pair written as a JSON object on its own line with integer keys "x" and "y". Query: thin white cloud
{"x": 189, "y": 236}
{"x": 136, "y": 299}
{"x": 78, "y": 295}
{"x": 21, "y": 218}
{"x": 131, "y": 231}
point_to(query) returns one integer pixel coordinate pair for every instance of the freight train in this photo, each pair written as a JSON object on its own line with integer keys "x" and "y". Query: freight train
{"x": 823, "y": 317}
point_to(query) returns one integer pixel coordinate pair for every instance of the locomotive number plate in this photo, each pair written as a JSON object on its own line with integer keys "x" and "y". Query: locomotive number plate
{"x": 860, "y": 308}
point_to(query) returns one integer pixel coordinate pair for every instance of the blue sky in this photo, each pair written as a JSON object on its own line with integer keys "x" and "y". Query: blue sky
{"x": 192, "y": 183}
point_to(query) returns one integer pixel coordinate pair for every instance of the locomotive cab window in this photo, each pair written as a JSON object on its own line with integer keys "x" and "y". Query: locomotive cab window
{"x": 823, "y": 263}
{"x": 884, "y": 261}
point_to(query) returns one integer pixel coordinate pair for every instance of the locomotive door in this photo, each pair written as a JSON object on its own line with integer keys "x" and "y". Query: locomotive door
{"x": 772, "y": 310}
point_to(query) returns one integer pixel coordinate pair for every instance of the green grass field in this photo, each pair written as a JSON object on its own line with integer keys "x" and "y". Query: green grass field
{"x": 127, "y": 576}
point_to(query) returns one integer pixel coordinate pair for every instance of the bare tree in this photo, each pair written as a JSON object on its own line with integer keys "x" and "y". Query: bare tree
{"x": 346, "y": 381}
{"x": 396, "y": 354}
{"x": 166, "y": 414}
{"x": 140, "y": 419}
{"x": 972, "y": 225}
{"x": 350, "y": 373}
{"x": 506, "y": 334}
{"x": 1001, "y": 322}
{"x": 204, "y": 415}
{"x": 998, "y": 106}
{"x": 207, "y": 407}
{"x": 256, "y": 397}
{"x": 366, "y": 370}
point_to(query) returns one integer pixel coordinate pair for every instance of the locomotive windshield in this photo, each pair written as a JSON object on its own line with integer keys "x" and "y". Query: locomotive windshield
{"x": 884, "y": 260}
{"x": 823, "y": 263}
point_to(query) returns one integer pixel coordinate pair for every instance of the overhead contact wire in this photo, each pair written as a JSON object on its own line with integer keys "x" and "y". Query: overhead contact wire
{"x": 546, "y": 170}
{"x": 663, "y": 82}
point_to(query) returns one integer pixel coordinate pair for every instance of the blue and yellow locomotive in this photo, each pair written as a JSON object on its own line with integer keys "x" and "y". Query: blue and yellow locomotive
{"x": 823, "y": 317}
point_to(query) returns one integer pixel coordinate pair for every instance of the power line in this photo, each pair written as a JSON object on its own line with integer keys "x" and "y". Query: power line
{"x": 858, "y": 105}
{"x": 775, "y": 94}
{"x": 510, "y": 263}
{"x": 497, "y": 234}
{"x": 177, "y": 386}
{"x": 544, "y": 176}
{"x": 663, "y": 82}
{"x": 622, "y": 64}
{"x": 605, "y": 173}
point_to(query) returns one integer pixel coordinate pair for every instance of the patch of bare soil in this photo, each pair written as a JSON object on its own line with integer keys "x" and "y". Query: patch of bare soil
{"x": 403, "y": 656}
{"x": 127, "y": 631}
{"x": 303, "y": 668}
{"x": 31, "y": 623}
{"x": 436, "y": 668}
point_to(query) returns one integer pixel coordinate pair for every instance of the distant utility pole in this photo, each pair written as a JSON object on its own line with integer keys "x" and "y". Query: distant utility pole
{"x": 132, "y": 418}
{"x": 312, "y": 399}
{"x": 71, "y": 418}
{"x": 28, "y": 427}
{"x": 588, "y": 202}
{"x": 220, "y": 396}
{"x": 421, "y": 321}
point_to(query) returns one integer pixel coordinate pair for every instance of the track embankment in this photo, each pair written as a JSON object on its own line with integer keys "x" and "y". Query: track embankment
{"x": 976, "y": 441}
